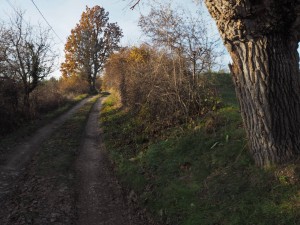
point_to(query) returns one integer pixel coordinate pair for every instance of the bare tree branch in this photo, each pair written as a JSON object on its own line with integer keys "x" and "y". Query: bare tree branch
{"x": 135, "y": 4}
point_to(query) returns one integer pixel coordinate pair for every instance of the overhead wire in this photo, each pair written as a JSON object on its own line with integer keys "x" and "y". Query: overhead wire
{"x": 47, "y": 21}
{"x": 17, "y": 12}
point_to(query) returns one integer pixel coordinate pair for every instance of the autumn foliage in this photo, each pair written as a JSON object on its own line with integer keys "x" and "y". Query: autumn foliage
{"x": 159, "y": 89}
{"x": 89, "y": 45}
{"x": 163, "y": 81}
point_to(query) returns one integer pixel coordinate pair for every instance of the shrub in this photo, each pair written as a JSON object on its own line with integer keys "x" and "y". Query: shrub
{"x": 10, "y": 115}
{"x": 158, "y": 87}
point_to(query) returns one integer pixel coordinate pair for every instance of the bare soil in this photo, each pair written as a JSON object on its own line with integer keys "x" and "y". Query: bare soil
{"x": 14, "y": 162}
{"x": 101, "y": 200}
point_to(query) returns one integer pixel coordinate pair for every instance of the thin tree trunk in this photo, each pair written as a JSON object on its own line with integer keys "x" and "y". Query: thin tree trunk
{"x": 92, "y": 82}
{"x": 26, "y": 104}
{"x": 94, "y": 85}
{"x": 123, "y": 89}
{"x": 267, "y": 81}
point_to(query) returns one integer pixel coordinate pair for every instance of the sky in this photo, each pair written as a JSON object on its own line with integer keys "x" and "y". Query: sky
{"x": 63, "y": 15}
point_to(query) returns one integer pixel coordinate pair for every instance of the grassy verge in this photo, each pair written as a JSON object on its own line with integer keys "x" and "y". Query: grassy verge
{"x": 200, "y": 174}
{"x": 7, "y": 142}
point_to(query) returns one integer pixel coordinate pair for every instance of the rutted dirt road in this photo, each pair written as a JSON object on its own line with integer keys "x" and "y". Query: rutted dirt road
{"x": 14, "y": 162}
{"x": 100, "y": 200}
{"x": 95, "y": 198}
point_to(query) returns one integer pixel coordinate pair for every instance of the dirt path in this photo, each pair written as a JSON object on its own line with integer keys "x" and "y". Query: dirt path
{"x": 86, "y": 193}
{"x": 14, "y": 163}
{"x": 100, "y": 200}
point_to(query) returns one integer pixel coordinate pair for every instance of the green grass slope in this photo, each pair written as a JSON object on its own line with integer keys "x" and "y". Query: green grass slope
{"x": 200, "y": 174}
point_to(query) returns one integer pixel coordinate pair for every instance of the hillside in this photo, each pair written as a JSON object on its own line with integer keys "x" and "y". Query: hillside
{"x": 199, "y": 173}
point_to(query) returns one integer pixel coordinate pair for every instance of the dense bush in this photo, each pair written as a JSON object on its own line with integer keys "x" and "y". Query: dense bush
{"x": 73, "y": 85}
{"x": 48, "y": 96}
{"x": 159, "y": 88}
{"x": 9, "y": 105}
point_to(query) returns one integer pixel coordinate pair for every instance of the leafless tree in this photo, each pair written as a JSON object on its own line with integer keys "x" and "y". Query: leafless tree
{"x": 184, "y": 34}
{"x": 27, "y": 55}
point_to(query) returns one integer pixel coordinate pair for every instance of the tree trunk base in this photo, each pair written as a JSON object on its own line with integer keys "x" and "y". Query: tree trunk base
{"x": 267, "y": 81}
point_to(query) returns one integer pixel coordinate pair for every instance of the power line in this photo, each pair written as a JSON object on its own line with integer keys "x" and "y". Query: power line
{"x": 46, "y": 21}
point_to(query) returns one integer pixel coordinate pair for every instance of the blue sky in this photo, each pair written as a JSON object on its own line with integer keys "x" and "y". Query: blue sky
{"x": 64, "y": 14}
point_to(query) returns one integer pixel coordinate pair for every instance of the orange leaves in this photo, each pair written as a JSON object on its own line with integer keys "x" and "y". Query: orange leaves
{"x": 91, "y": 42}
{"x": 139, "y": 55}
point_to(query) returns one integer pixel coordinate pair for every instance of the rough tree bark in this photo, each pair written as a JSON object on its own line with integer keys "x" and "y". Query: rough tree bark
{"x": 262, "y": 38}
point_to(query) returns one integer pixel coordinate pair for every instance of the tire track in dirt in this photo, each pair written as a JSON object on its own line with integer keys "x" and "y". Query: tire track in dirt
{"x": 21, "y": 155}
{"x": 100, "y": 199}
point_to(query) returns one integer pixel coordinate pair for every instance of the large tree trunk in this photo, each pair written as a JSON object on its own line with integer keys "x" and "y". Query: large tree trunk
{"x": 265, "y": 73}
{"x": 262, "y": 41}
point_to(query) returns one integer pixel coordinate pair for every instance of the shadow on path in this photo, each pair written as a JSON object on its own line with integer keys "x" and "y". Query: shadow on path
{"x": 100, "y": 200}
{"x": 21, "y": 155}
